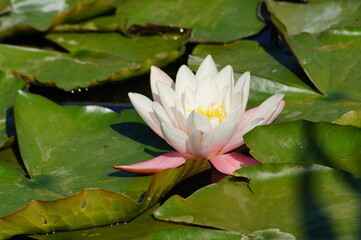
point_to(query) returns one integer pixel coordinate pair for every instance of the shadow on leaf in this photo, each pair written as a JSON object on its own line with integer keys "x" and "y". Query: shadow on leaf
{"x": 141, "y": 133}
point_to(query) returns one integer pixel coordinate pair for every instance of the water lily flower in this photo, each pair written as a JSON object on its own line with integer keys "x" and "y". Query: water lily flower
{"x": 202, "y": 116}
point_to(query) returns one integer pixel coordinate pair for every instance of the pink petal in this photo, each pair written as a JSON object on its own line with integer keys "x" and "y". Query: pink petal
{"x": 228, "y": 163}
{"x": 165, "y": 161}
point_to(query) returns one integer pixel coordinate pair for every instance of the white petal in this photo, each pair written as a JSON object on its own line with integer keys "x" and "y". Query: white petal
{"x": 158, "y": 75}
{"x": 207, "y": 144}
{"x": 207, "y": 67}
{"x": 267, "y": 109}
{"x": 167, "y": 98}
{"x": 174, "y": 137}
{"x": 215, "y": 122}
{"x": 185, "y": 79}
{"x": 220, "y": 98}
{"x": 277, "y": 112}
{"x": 206, "y": 91}
{"x": 198, "y": 121}
{"x": 243, "y": 83}
{"x": 160, "y": 113}
{"x": 254, "y": 117}
{"x": 190, "y": 103}
{"x": 241, "y": 90}
{"x": 252, "y": 124}
{"x": 143, "y": 106}
{"x": 194, "y": 145}
{"x": 215, "y": 140}
{"x": 181, "y": 115}
{"x": 225, "y": 78}
{"x": 235, "y": 115}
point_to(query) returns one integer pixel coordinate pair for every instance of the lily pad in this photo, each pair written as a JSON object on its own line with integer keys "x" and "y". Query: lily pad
{"x": 352, "y": 118}
{"x": 137, "y": 228}
{"x": 209, "y": 21}
{"x": 276, "y": 72}
{"x": 316, "y": 16}
{"x": 69, "y": 153}
{"x": 143, "y": 227}
{"x": 306, "y": 201}
{"x": 90, "y": 61}
{"x": 193, "y": 233}
{"x": 35, "y": 15}
{"x": 321, "y": 143}
{"x": 331, "y": 59}
{"x": 9, "y": 158}
{"x": 9, "y": 86}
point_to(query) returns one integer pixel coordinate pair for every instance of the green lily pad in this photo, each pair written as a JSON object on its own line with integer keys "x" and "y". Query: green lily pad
{"x": 316, "y": 17}
{"x": 321, "y": 143}
{"x": 37, "y": 15}
{"x": 9, "y": 86}
{"x": 262, "y": 61}
{"x": 137, "y": 228}
{"x": 143, "y": 227}
{"x": 193, "y": 233}
{"x": 209, "y": 21}
{"x": 69, "y": 153}
{"x": 4, "y": 6}
{"x": 276, "y": 72}
{"x": 306, "y": 201}
{"x": 9, "y": 158}
{"x": 90, "y": 61}
{"x": 352, "y": 118}
{"x": 331, "y": 59}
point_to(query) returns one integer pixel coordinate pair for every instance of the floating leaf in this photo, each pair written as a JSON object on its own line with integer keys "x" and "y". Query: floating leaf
{"x": 321, "y": 143}
{"x": 316, "y": 17}
{"x": 9, "y": 86}
{"x": 137, "y": 228}
{"x": 331, "y": 59}
{"x": 306, "y": 201}
{"x": 193, "y": 233}
{"x": 352, "y": 118}
{"x": 8, "y": 157}
{"x": 37, "y": 15}
{"x": 72, "y": 148}
{"x": 276, "y": 72}
{"x": 209, "y": 21}
{"x": 90, "y": 61}
{"x": 262, "y": 61}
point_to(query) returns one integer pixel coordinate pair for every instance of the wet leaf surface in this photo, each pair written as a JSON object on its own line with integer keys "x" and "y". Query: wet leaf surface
{"x": 36, "y": 15}
{"x": 72, "y": 180}
{"x": 306, "y": 201}
{"x": 209, "y": 21}
{"x": 331, "y": 59}
{"x": 352, "y": 118}
{"x": 320, "y": 143}
{"x": 9, "y": 86}
{"x": 90, "y": 61}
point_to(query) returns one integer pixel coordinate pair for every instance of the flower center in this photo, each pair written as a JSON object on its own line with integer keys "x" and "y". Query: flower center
{"x": 218, "y": 112}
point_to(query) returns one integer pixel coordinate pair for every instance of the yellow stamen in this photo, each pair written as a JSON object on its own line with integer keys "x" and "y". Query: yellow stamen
{"x": 218, "y": 112}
